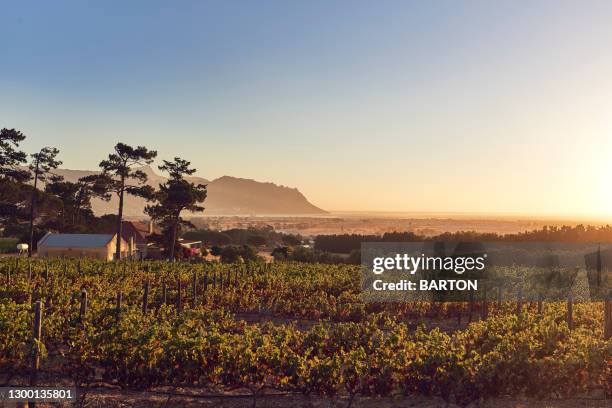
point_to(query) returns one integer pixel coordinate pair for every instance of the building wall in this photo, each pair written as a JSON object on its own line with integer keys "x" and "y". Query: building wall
{"x": 104, "y": 253}
{"x": 125, "y": 248}
{"x": 93, "y": 253}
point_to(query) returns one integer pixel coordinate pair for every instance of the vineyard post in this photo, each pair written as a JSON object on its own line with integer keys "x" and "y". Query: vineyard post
{"x": 195, "y": 287}
{"x": 205, "y": 280}
{"x": 164, "y": 292}
{"x": 29, "y": 271}
{"x": 8, "y": 276}
{"x": 49, "y": 296}
{"x": 46, "y": 271}
{"x": 519, "y": 302}
{"x": 459, "y": 311}
{"x": 570, "y": 311}
{"x": 214, "y": 282}
{"x": 608, "y": 317}
{"x": 471, "y": 309}
{"x": 83, "y": 308}
{"x": 118, "y": 306}
{"x": 37, "y": 334}
{"x": 179, "y": 304}
{"x": 499, "y": 297}
{"x": 539, "y": 303}
{"x": 221, "y": 279}
{"x": 485, "y": 305}
{"x": 145, "y": 298}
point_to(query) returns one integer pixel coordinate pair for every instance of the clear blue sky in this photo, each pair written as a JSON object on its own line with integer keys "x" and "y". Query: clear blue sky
{"x": 411, "y": 106}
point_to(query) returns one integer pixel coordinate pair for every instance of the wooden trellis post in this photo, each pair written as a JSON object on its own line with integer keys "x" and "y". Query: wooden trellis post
{"x": 519, "y": 303}
{"x": 164, "y": 293}
{"x": 118, "y": 305}
{"x": 608, "y": 317}
{"x": 83, "y": 308}
{"x": 570, "y": 311}
{"x": 179, "y": 304}
{"x": 485, "y": 304}
{"x": 459, "y": 312}
{"x": 36, "y": 334}
{"x": 540, "y": 304}
{"x": 471, "y": 310}
{"x": 194, "y": 288}
{"x": 145, "y": 298}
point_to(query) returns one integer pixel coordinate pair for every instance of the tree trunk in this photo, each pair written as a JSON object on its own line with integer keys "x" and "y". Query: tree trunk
{"x": 119, "y": 224}
{"x": 32, "y": 205}
{"x": 173, "y": 240}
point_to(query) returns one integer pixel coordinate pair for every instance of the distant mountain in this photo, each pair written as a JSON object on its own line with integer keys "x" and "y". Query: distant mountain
{"x": 226, "y": 195}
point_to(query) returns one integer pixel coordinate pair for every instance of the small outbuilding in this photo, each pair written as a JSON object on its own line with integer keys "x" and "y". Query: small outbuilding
{"x": 137, "y": 233}
{"x": 95, "y": 246}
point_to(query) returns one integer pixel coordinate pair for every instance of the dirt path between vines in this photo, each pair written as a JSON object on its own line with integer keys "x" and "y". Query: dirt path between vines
{"x": 174, "y": 398}
{"x": 143, "y": 399}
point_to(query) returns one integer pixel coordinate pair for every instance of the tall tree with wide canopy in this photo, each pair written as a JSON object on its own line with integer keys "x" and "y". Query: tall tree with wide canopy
{"x": 11, "y": 157}
{"x": 12, "y": 206}
{"x": 175, "y": 196}
{"x": 121, "y": 175}
{"x": 76, "y": 200}
{"x": 40, "y": 167}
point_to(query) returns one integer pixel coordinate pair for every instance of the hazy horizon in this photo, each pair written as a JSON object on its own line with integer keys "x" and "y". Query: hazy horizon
{"x": 445, "y": 107}
{"x": 557, "y": 218}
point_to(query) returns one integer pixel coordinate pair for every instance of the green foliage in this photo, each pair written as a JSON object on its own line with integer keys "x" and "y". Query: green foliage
{"x": 10, "y": 156}
{"x": 238, "y": 253}
{"x": 350, "y": 348}
{"x": 175, "y": 196}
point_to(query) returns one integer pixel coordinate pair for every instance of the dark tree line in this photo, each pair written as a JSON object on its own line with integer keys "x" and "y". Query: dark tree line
{"x": 345, "y": 243}
{"x": 34, "y": 199}
{"x": 256, "y": 237}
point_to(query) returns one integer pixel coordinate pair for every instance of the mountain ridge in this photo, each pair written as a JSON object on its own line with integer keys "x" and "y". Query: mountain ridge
{"x": 227, "y": 195}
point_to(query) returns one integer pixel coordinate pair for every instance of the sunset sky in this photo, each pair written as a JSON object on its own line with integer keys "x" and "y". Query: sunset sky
{"x": 463, "y": 106}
